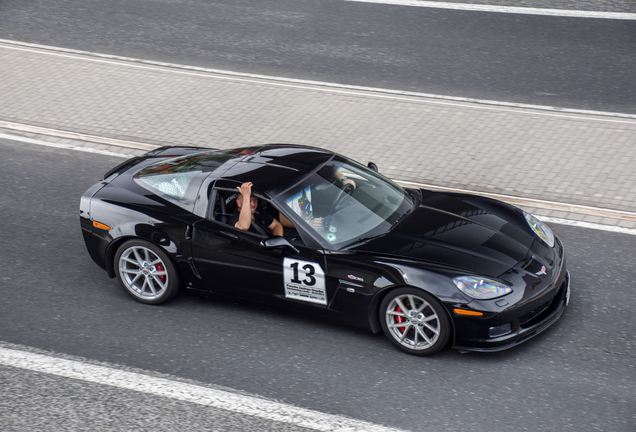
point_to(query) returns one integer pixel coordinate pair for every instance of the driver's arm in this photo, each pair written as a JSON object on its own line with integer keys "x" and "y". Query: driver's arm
{"x": 276, "y": 227}
{"x": 316, "y": 223}
{"x": 245, "y": 216}
{"x": 344, "y": 180}
{"x": 284, "y": 221}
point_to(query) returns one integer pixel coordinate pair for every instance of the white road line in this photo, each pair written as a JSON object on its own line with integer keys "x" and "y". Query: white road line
{"x": 507, "y": 198}
{"x": 319, "y": 86}
{"x": 505, "y": 9}
{"x": 529, "y": 202}
{"x": 590, "y": 225}
{"x": 225, "y": 400}
{"x": 62, "y": 146}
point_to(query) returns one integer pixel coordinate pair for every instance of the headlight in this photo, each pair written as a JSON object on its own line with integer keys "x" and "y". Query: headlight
{"x": 540, "y": 229}
{"x": 481, "y": 288}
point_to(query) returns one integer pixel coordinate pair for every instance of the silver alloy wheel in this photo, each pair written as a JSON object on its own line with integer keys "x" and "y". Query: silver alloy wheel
{"x": 412, "y": 322}
{"x": 143, "y": 273}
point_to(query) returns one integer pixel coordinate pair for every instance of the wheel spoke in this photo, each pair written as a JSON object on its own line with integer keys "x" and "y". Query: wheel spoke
{"x": 142, "y": 288}
{"x": 422, "y": 307}
{"x": 158, "y": 281}
{"x": 145, "y": 252}
{"x": 135, "y": 279}
{"x": 406, "y": 330}
{"x": 131, "y": 271}
{"x": 401, "y": 304}
{"x": 412, "y": 303}
{"x": 151, "y": 285}
{"x": 431, "y": 328}
{"x": 396, "y": 313}
{"x": 399, "y": 325}
{"x": 130, "y": 260}
{"x": 430, "y": 318}
{"x": 421, "y": 332}
{"x": 137, "y": 257}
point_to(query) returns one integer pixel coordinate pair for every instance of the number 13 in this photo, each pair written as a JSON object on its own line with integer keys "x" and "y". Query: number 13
{"x": 309, "y": 269}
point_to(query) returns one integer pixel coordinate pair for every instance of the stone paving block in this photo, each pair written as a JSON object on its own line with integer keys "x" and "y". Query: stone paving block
{"x": 560, "y": 157}
{"x": 626, "y": 224}
{"x": 592, "y": 219}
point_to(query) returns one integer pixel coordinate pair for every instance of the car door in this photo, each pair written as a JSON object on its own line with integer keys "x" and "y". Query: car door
{"x": 247, "y": 265}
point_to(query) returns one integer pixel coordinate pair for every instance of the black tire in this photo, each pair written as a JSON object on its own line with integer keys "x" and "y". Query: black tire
{"x": 146, "y": 272}
{"x": 426, "y": 326}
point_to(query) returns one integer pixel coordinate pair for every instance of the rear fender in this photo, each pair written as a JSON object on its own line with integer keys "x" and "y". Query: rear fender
{"x": 146, "y": 232}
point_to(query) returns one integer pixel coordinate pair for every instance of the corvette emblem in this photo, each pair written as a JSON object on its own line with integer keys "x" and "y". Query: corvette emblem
{"x": 541, "y": 272}
{"x": 355, "y": 278}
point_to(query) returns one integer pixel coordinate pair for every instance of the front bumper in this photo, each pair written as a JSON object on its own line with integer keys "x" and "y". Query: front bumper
{"x": 525, "y": 323}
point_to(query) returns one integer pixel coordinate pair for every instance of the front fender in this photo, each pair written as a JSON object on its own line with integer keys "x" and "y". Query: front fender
{"x": 437, "y": 283}
{"x": 374, "y": 310}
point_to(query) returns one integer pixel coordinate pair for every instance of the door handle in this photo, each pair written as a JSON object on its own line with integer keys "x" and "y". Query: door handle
{"x": 189, "y": 232}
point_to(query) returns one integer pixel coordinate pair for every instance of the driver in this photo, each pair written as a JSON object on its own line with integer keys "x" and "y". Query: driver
{"x": 248, "y": 218}
{"x": 301, "y": 203}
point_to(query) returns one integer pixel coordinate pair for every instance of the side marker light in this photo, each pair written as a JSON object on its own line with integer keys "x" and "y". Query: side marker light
{"x": 101, "y": 226}
{"x": 467, "y": 312}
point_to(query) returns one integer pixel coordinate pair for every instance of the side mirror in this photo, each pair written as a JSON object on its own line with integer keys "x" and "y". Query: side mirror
{"x": 373, "y": 166}
{"x": 277, "y": 242}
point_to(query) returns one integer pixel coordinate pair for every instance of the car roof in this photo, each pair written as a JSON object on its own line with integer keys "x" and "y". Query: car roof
{"x": 272, "y": 168}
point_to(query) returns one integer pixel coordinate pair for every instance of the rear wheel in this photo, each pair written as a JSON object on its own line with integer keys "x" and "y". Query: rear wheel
{"x": 146, "y": 272}
{"x": 414, "y": 321}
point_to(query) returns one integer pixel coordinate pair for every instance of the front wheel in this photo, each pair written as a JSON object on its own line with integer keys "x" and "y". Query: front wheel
{"x": 146, "y": 272}
{"x": 414, "y": 321}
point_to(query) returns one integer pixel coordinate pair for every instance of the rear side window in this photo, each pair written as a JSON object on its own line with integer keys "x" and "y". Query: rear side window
{"x": 174, "y": 185}
{"x": 178, "y": 179}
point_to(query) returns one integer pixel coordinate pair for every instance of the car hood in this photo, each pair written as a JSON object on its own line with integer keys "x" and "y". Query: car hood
{"x": 461, "y": 231}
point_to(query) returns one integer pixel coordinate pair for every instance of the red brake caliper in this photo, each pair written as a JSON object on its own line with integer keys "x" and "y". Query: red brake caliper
{"x": 400, "y": 319}
{"x": 161, "y": 268}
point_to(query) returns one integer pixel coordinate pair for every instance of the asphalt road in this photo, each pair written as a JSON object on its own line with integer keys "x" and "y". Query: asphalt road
{"x": 580, "y": 375}
{"x": 577, "y": 63}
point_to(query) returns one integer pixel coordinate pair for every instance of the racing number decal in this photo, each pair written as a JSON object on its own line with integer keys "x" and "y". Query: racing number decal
{"x": 304, "y": 280}
{"x": 309, "y": 273}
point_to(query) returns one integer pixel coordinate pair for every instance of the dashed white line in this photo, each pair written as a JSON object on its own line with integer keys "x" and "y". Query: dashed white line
{"x": 225, "y": 400}
{"x": 62, "y": 145}
{"x": 506, "y": 9}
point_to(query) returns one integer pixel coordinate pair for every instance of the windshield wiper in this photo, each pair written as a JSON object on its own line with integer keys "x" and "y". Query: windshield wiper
{"x": 364, "y": 240}
{"x": 400, "y": 218}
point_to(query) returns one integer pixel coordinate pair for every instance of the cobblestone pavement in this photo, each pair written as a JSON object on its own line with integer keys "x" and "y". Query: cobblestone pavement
{"x": 571, "y": 159}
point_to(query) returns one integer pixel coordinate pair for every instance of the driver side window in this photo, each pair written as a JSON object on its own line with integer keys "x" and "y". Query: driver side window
{"x": 225, "y": 210}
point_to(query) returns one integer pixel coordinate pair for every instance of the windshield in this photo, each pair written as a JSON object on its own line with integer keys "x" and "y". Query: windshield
{"x": 345, "y": 202}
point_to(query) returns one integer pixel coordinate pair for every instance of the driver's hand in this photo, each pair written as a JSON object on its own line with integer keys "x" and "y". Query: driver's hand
{"x": 316, "y": 223}
{"x": 245, "y": 189}
{"x": 349, "y": 182}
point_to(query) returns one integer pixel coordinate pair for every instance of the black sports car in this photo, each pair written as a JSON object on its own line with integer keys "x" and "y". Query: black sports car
{"x": 427, "y": 268}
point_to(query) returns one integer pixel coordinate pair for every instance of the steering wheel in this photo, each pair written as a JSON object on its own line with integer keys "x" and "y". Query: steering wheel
{"x": 345, "y": 190}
